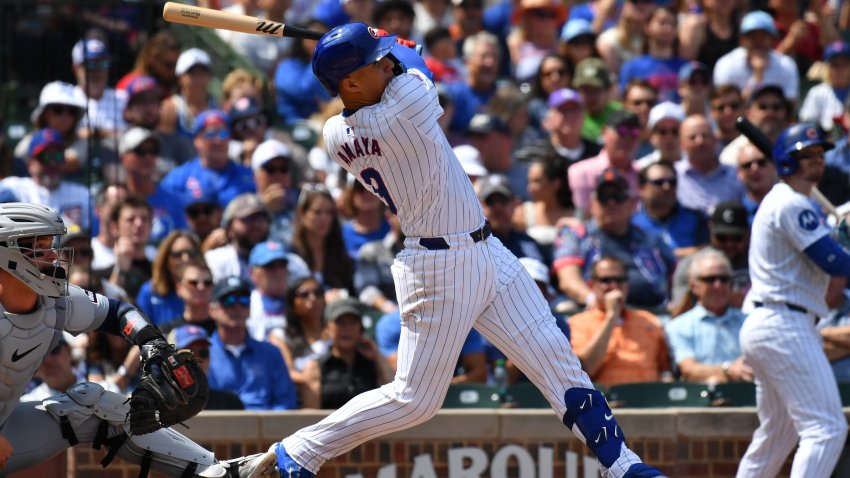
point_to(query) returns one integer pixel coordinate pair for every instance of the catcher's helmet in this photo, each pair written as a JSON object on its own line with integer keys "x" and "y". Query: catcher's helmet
{"x": 20, "y": 224}
{"x": 795, "y": 138}
{"x": 345, "y": 49}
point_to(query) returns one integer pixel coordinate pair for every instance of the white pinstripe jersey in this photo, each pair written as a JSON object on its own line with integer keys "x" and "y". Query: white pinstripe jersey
{"x": 398, "y": 151}
{"x": 785, "y": 224}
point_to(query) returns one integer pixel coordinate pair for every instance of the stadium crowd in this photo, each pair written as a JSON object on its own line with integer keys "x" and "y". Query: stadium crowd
{"x": 600, "y": 138}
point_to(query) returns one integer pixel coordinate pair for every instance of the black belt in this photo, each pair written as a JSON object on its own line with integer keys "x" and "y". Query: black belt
{"x": 439, "y": 243}
{"x": 790, "y": 306}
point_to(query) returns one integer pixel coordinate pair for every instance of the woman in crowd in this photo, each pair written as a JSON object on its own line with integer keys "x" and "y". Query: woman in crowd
{"x": 158, "y": 59}
{"x": 535, "y": 35}
{"x": 660, "y": 63}
{"x": 707, "y": 35}
{"x": 158, "y": 297}
{"x": 551, "y": 200}
{"x": 626, "y": 40}
{"x": 194, "y": 70}
{"x": 306, "y": 336}
{"x": 554, "y": 73}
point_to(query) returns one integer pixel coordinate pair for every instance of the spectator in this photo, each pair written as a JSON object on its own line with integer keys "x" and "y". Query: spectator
{"x": 353, "y": 364}
{"x": 212, "y": 164}
{"x": 268, "y": 261}
{"x": 627, "y": 39}
{"x": 442, "y": 55}
{"x": 708, "y": 33}
{"x": 621, "y": 137}
{"x": 593, "y": 83}
{"x": 197, "y": 340}
{"x": 241, "y": 83}
{"x": 491, "y": 137}
{"x": 704, "y": 340}
{"x": 335, "y": 12}
{"x": 470, "y": 160}
{"x": 373, "y": 279}
{"x": 834, "y": 329}
{"x": 254, "y": 370}
{"x": 468, "y": 22}
{"x": 158, "y": 59}
{"x": 564, "y": 122}
{"x": 499, "y": 203}
{"x": 758, "y": 174}
{"x": 298, "y": 91}
{"x": 139, "y": 150}
{"x": 664, "y": 122}
{"x": 158, "y": 297}
{"x": 56, "y": 374}
{"x": 248, "y": 125}
{"x": 726, "y": 106}
{"x": 535, "y": 34}
{"x": 246, "y": 224}
{"x": 193, "y": 70}
{"x": 395, "y": 17}
{"x": 306, "y": 335}
{"x": 104, "y": 105}
{"x": 45, "y": 163}
{"x": 201, "y": 209}
{"x": 367, "y": 221}
{"x": 130, "y": 221}
{"x": 103, "y": 362}
{"x": 617, "y": 344}
{"x": 102, "y": 244}
{"x": 729, "y": 233}
{"x": 640, "y": 97}
{"x": 553, "y": 74}
{"x": 756, "y": 62}
{"x": 694, "y": 88}
{"x": 578, "y": 41}
{"x": 825, "y": 101}
{"x": 647, "y": 259}
{"x": 481, "y": 57}
{"x": 262, "y": 51}
{"x": 704, "y": 181}
{"x": 273, "y": 166}
{"x": 660, "y": 63}
{"x": 78, "y": 241}
{"x": 194, "y": 286}
{"x": 318, "y": 240}
{"x": 684, "y": 230}
{"x": 769, "y": 111}
{"x": 805, "y": 30}
{"x": 510, "y": 105}
{"x": 430, "y": 15}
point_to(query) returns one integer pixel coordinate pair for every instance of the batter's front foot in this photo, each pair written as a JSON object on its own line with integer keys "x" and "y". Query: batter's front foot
{"x": 642, "y": 470}
{"x": 288, "y": 467}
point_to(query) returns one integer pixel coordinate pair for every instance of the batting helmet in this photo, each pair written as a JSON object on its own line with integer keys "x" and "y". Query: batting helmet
{"x": 795, "y": 138}
{"x": 345, "y": 49}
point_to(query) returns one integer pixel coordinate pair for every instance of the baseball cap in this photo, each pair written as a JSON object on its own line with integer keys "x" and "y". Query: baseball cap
{"x": 557, "y": 10}
{"x": 199, "y": 190}
{"x": 244, "y": 107}
{"x": 665, "y": 110}
{"x": 340, "y": 307}
{"x": 74, "y": 232}
{"x": 229, "y": 285}
{"x": 133, "y": 137}
{"x": 766, "y": 88}
{"x": 611, "y": 177}
{"x": 241, "y": 206}
{"x": 591, "y": 72}
{"x": 536, "y": 269}
{"x": 139, "y": 85}
{"x": 58, "y": 93}
{"x": 622, "y": 118}
{"x": 730, "y": 217}
{"x": 267, "y": 252}
{"x": 758, "y": 20}
{"x": 268, "y": 150}
{"x": 7, "y": 195}
{"x": 494, "y": 184}
{"x": 185, "y": 335}
{"x": 43, "y": 139}
{"x": 483, "y": 123}
{"x": 836, "y": 48}
{"x": 691, "y": 68}
{"x": 562, "y": 96}
{"x": 208, "y": 118}
{"x": 470, "y": 160}
{"x": 190, "y": 58}
{"x": 89, "y": 49}
{"x": 575, "y": 28}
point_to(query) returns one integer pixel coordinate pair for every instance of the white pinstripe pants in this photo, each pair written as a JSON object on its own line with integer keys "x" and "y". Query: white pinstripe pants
{"x": 442, "y": 295}
{"x": 797, "y": 396}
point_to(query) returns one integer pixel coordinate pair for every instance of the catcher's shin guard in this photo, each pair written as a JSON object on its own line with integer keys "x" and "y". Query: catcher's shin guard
{"x": 89, "y": 414}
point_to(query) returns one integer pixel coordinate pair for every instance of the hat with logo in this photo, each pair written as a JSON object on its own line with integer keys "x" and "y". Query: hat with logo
{"x": 340, "y": 307}
{"x": 58, "y": 93}
{"x": 575, "y": 28}
{"x": 836, "y": 49}
{"x": 758, "y": 20}
{"x": 665, "y": 110}
{"x": 43, "y": 139}
{"x": 89, "y": 49}
{"x": 692, "y": 68}
{"x": 74, "y": 232}
{"x": 494, "y": 184}
{"x": 185, "y": 335}
{"x": 470, "y": 160}
{"x": 199, "y": 190}
{"x": 563, "y": 96}
{"x": 611, "y": 178}
{"x": 242, "y": 206}
{"x": 730, "y": 217}
{"x": 141, "y": 84}
{"x": 230, "y": 285}
{"x": 591, "y": 72}
{"x": 133, "y": 137}
{"x": 268, "y": 150}
{"x": 244, "y": 107}
{"x": 190, "y": 58}
{"x": 209, "y": 118}
{"x": 267, "y": 252}
{"x": 483, "y": 123}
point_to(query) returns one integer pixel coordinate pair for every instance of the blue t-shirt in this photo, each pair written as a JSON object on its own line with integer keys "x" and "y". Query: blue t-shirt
{"x": 585, "y": 11}
{"x": 168, "y": 214}
{"x": 684, "y": 228}
{"x": 299, "y": 92}
{"x": 466, "y": 102}
{"x": 662, "y": 74}
{"x": 160, "y": 309}
{"x": 354, "y": 240}
{"x": 707, "y": 338}
{"x": 331, "y": 13}
{"x": 230, "y": 182}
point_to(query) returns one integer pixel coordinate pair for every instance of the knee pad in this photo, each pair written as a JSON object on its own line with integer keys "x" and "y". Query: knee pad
{"x": 88, "y": 413}
{"x": 589, "y": 415}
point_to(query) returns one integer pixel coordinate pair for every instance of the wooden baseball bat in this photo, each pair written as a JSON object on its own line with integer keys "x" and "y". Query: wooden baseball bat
{"x": 763, "y": 144}
{"x": 209, "y": 18}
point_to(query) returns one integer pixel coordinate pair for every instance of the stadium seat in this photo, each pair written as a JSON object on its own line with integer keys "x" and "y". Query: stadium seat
{"x": 844, "y": 390}
{"x": 659, "y": 395}
{"x": 472, "y": 395}
{"x": 734, "y": 394}
{"x": 525, "y": 395}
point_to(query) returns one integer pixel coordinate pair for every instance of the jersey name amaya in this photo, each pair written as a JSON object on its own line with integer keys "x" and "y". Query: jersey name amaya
{"x": 358, "y": 147}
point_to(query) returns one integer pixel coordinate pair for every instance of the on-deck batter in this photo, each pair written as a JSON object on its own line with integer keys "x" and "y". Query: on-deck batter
{"x": 791, "y": 258}
{"x": 451, "y": 275}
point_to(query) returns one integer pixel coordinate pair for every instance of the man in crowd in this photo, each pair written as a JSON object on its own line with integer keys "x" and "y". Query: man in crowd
{"x": 663, "y": 124}
{"x": 133, "y": 256}
{"x": 481, "y": 54}
{"x": 272, "y": 165}
{"x": 498, "y": 200}
{"x": 769, "y": 110}
{"x": 726, "y": 106}
{"x": 564, "y": 121}
{"x": 758, "y": 174}
{"x": 592, "y": 80}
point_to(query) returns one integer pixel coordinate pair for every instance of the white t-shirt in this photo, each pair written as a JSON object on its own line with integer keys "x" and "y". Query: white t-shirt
{"x": 71, "y": 200}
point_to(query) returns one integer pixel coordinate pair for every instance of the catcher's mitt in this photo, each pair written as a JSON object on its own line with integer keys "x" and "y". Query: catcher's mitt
{"x": 173, "y": 388}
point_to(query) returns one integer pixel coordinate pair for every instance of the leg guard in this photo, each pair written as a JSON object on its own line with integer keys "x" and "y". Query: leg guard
{"x": 589, "y": 416}
{"x": 89, "y": 414}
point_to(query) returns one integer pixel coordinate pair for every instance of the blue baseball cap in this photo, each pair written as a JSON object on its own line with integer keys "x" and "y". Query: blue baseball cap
{"x": 575, "y": 28}
{"x": 758, "y": 20}
{"x": 836, "y": 48}
{"x": 267, "y": 252}
{"x": 43, "y": 139}
{"x": 186, "y": 335}
{"x": 209, "y": 118}
{"x": 563, "y": 95}
{"x": 199, "y": 190}
{"x": 692, "y": 68}
{"x": 90, "y": 49}
{"x": 139, "y": 85}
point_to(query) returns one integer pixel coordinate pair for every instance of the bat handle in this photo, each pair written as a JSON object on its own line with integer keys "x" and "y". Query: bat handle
{"x": 298, "y": 32}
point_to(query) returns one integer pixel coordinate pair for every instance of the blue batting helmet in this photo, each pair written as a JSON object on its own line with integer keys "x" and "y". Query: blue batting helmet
{"x": 345, "y": 49}
{"x": 795, "y": 138}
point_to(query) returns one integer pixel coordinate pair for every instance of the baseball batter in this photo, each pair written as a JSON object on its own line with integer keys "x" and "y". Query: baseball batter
{"x": 791, "y": 258}
{"x": 451, "y": 275}
{"x": 38, "y": 305}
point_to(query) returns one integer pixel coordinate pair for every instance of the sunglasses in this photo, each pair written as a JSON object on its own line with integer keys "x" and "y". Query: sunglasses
{"x": 303, "y": 294}
{"x": 233, "y": 300}
{"x": 540, "y": 13}
{"x": 202, "y": 353}
{"x": 57, "y": 157}
{"x": 146, "y": 151}
{"x": 63, "y": 110}
{"x": 732, "y": 106}
{"x": 216, "y": 134}
{"x": 660, "y": 182}
{"x": 547, "y": 74}
{"x": 98, "y": 64}
{"x": 728, "y": 237}
{"x": 759, "y": 163}
{"x": 187, "y": 253}
{"x": 646, "y": 102}
{"x": 496, "y": 199}
{"x": 200, "y": 210}
{"x": 269, "y": 169}
{"x": 770, "y": 106}
{"x": 617, "y": 280}
{"x": 198, "y": 282}
{"x": 612, "y": 198}
{"x": 248, "y": 124}
{"x": 667, "y": 132}
{"x": 628, "y": 131}
{"x": 723, "y": 279}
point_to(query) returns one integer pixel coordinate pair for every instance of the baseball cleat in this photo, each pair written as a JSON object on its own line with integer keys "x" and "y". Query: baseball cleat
{"x": 288, "y": 467}
{"x": 642, "y": 470}
{"x": 257, "y": 466}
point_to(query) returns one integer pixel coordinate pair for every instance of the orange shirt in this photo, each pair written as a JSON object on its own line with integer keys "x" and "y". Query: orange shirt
{"x": 637, "y": 350}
